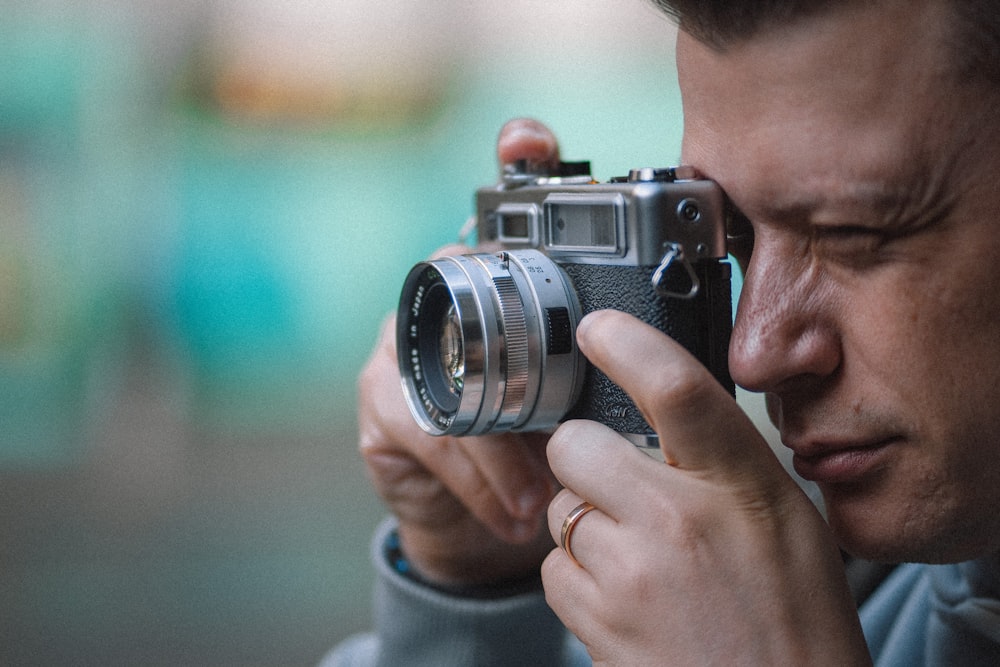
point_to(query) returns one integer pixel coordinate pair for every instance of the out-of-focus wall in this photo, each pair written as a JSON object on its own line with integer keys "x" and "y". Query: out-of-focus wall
{"x": 248, "y": 181}
{"x": 206, "y": 209}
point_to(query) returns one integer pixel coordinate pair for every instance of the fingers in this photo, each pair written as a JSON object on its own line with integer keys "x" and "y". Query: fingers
{"x": 451, "y": 251}
{"x": 600, "y": 467}
{"x": 701, "y": 428}
{"x": 527, "y": 139}
{"x": 597, "y": 463}
{"x": 506, "y": 482}
{"x": 568, "y": 571}
{"x": 502, "y": 480}
{"x": 580, "y": 537}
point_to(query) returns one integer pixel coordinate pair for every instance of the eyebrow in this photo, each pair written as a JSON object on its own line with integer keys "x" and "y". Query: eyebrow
{"x": 897, "y": 203}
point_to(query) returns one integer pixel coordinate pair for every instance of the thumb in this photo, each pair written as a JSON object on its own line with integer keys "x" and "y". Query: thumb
{"x": 701, "y": 428}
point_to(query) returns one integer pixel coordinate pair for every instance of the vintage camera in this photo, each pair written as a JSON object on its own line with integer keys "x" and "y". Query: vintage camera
{"x": 487, "y": 341}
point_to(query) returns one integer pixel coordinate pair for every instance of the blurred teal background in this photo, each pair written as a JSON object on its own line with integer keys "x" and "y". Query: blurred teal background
{"x": 206, "y": 210}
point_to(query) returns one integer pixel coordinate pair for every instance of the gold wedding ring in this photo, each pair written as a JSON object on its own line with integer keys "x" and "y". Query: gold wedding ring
{"x": 567, "y": 528}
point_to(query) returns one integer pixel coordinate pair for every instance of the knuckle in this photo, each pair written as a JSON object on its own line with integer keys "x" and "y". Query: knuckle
{"x": 560, "y": 506}
{"x": 559, "y": 442}
{"x": 684, "y": 389}
{"x": 570, "y": 432}
{"x": 450, "y": 251}
{"x": 371, "y": 439}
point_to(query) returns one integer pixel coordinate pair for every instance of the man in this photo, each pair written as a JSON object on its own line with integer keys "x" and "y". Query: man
{"x": 862, "y": 142}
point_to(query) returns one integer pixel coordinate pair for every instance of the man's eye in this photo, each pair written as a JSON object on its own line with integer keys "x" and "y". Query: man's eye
{"x": 850, "y": 233}
{"x": 853, "y": 244}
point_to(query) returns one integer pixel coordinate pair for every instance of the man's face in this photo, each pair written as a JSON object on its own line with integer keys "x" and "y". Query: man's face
{"x": 870, "y": 312}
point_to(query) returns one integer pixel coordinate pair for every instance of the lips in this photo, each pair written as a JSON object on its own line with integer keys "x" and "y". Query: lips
{"x": 840, "y": 463}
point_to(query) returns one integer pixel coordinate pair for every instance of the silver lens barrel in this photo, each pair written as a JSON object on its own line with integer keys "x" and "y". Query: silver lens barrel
{"x": 486, "y": 343}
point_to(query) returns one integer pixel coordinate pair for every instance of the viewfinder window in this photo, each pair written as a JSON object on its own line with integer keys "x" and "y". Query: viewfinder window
{"x": 517, "y": 224}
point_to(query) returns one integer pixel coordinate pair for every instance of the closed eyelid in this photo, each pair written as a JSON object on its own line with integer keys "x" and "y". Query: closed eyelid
{"x": 845, "y": 216}
{"x": 846, "y": 230}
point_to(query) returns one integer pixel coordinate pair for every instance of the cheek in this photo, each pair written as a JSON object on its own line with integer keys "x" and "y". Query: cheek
{"x": 956, "y": 329}
{"x": 926, "y": 353}
{"x": 933, "y": 349}
{"x": 941, "y": 331}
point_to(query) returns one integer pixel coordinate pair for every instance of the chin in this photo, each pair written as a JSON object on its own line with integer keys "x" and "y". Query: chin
{"x": 931, "y": 553}
{"x": 913, "y": 532}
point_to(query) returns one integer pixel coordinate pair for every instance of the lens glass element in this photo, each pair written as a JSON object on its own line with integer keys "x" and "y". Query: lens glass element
{"x": 452, "y": 351}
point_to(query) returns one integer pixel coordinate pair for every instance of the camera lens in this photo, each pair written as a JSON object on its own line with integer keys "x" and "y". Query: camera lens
{"x": 486, "y": 343}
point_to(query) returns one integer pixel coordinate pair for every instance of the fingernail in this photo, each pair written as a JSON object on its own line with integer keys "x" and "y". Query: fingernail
{"x": 526, "y": 142}
{"x": 528, "y": 132}
{"x": 583, "y": 326}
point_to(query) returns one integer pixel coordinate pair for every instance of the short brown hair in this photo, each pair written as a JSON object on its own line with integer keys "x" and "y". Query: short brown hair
{"x": 718, "y": 23}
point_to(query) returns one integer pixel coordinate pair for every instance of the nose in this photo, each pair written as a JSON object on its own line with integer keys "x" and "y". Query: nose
{"x": 785, "y": 334}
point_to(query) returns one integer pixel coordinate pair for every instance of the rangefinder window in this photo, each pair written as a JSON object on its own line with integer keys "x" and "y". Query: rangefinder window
{"x": 590, "y": 223}
{"x": 517, "y": 224}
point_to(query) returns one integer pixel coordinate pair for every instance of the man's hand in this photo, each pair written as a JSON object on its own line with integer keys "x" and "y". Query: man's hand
{"x": 715, "y": 557}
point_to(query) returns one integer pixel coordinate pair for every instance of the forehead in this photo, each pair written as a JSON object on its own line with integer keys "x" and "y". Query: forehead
{"x": 836, "y": 102}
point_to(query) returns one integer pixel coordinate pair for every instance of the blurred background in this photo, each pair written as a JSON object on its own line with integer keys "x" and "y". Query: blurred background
{"x": 206, "y": 210}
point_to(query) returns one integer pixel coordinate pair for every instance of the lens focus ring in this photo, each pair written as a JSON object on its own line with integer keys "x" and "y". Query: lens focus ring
{"x": 515, "y": 336}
